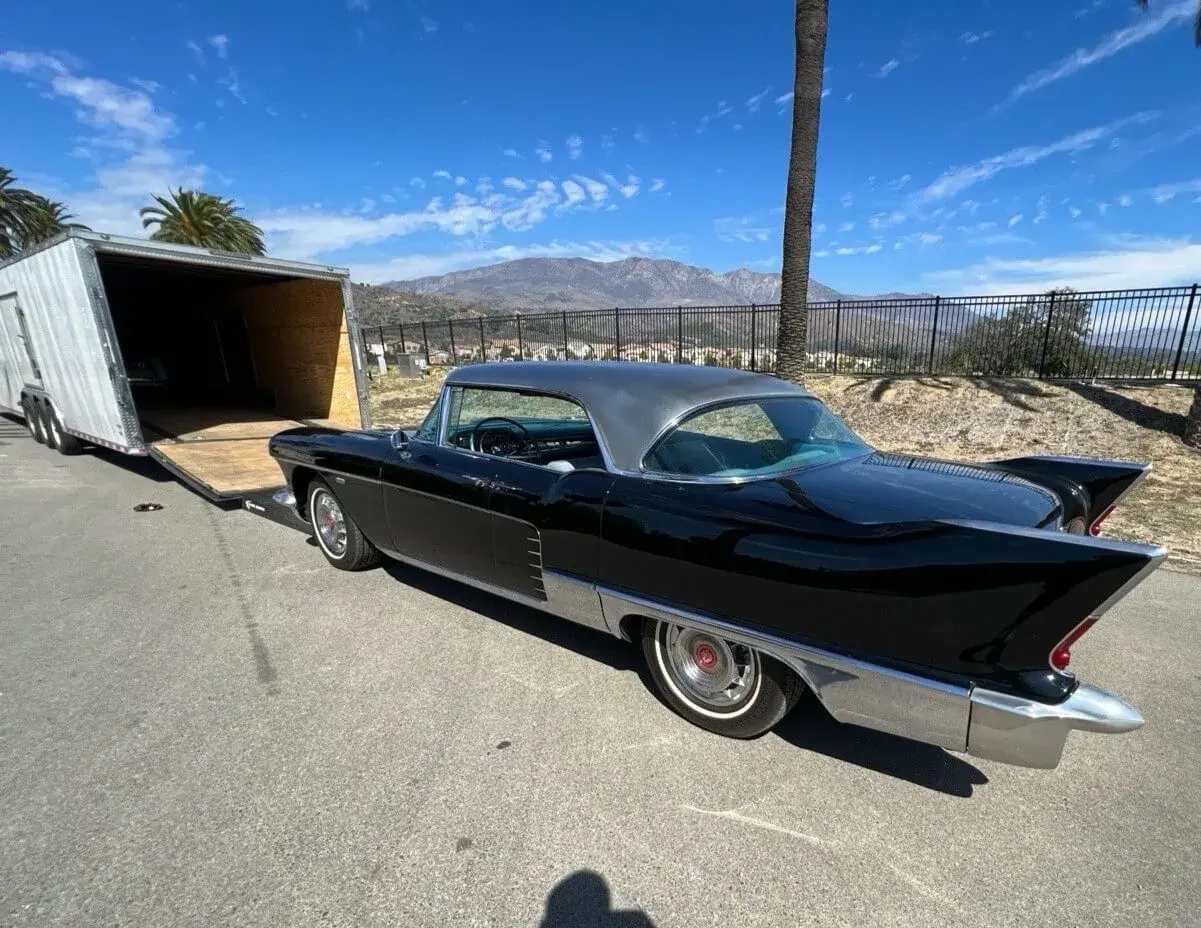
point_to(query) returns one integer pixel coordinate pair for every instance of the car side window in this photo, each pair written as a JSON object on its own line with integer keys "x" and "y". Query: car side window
{"x": 429, "y": 428}
{"x": 521, "y": 425}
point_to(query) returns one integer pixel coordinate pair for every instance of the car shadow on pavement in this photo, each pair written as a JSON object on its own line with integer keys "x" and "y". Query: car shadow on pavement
{"x": 582, "y": 900}
{"x": 812, "y": 728}
{"x": 595, "y": 645}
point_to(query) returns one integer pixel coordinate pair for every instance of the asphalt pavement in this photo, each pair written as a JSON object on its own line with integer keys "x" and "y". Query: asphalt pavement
{"x": 202, "y": 724}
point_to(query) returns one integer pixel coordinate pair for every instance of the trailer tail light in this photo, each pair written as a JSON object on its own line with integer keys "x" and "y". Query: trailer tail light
{"x": 1062, "y": 655}
{"x": 1095, "y": 528}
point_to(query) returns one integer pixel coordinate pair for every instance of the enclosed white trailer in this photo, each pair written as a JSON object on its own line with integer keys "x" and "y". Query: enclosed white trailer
{"x": 194, "y": 356}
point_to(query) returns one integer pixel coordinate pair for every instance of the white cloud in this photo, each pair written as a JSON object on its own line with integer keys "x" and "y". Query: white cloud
{"x": 460, "y": 180}
{"x": 1165, "y": 192}
{"x": 1102, "y": 208}
{"x": 884, "y": 220}
{"x": 220, "y": 45}
{"x": 443, "y": 175}
{"x": 1074, "y": 212}
{"x": 428, "y": 24}
{"x": 702, "y": 125}
{"x": 784, "y": 98}
{"x": 127, "y": 145}
{"x": 749, "y": 228}
{"x": 929, "y": 238}
{"x": 362, "y": 5}
{"x": 754, "y": 103}
{"x": 195, "y": 49}
{"x": 511, "y": 153}
{"x": 959, "y": 179}
{"x": 723, "y": 107}
{"x": 1128, "y": 262}
{"x": 847, "y": 227}
{"x": 575, "y": 147}
{"x": 1014, "y": 220}
{"x": 888, "y": 67}
{"x": 971, "y": 38}
{"x": 514, "y": 183}
{"x": 607, "y": 142}
{"x": 846, "y": 250}
{"x": 598, "y": 191}
{"x": 1042, "y": 210}
{"x": 1125, "y": 200}
{"x": 421, "y": 265}
{"x": 417, "y": 182}
{"x": 1146, "y": 26}
{"x": 574, "y": 193}
{"x": 640, "y": 136}
{"x": 630, "y": 187}
{"x": 657, "y": 184}
{"x": 543, "y": 152}
{"x": 847, "y": 200}
{"x": 826, "y": 92}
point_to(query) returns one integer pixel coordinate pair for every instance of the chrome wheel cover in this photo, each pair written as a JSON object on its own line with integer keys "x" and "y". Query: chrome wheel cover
{"x": 329, "y": 523}
{"x": 710, "y": 670}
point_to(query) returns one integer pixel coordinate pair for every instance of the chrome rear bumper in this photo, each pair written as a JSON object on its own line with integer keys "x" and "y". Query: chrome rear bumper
{"x": 1032, "y": 734}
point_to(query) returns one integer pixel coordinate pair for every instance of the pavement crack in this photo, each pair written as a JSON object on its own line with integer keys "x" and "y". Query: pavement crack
{"x": 736, "y": 816}
{"x": 264, "y": 668}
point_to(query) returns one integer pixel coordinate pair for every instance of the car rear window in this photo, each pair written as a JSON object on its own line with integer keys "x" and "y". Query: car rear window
{"x": 754, "y": 438}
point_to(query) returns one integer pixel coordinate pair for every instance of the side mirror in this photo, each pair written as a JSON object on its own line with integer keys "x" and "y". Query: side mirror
{"x": 399, "y": 439}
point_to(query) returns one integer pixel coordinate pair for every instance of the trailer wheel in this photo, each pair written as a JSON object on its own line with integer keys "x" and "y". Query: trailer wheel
{"x": 339, "y": 539}
{"x": 33, "y": 421}
{"x": 65, "y": 443}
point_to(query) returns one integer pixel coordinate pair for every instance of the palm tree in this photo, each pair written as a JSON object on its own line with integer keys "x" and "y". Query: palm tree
{"x": 46, "y": 218}
{"x": 193, "y": 217}
{"x": 15, "y": 211}
{"x": 811, "y": 23}
{"x": 27, "y": 218}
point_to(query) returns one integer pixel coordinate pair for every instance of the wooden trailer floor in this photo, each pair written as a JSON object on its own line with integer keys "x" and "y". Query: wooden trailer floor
{"x": 221, "y": 452}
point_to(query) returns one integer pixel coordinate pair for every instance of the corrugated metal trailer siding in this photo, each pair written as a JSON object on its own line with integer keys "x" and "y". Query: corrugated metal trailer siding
{"x": 74, "y": 357}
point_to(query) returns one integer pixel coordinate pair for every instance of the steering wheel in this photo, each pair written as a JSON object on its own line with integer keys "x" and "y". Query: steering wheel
{"x": 509, "y": 447}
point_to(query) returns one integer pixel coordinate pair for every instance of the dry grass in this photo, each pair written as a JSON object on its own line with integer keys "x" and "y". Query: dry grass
{"x": 983, "y": 419}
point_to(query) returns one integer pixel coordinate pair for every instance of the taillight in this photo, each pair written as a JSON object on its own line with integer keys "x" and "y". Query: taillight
{"x": 1095, "y": 528}
{"x": 1062, "y": 655}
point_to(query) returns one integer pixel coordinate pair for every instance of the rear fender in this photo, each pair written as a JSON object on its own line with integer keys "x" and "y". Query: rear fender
{"x": 1098, "y": 485}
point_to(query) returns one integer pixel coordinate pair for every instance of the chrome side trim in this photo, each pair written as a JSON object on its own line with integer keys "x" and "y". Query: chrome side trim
{"x": 852, "y": 691}
{"x": 567, "y": 596}
{"x": 1032, "y": 734}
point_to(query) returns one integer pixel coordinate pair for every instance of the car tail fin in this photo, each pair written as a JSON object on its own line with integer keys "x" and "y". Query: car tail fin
{"x": 1105, "y": 483}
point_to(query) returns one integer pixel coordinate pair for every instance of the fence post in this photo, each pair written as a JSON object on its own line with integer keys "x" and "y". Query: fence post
{"x": 483, "y": 348}
{"x": 425, "y": 340}
{"x": 454, "y": 353}
{"x": 617, "y": 330}
{"x": 1192, "y": 296}
{"x": 1042, "y": 364}
{"x": 520, "y": 343}
{"x": 679, "y": 334}
{"x": 564, "y": 335}
{"x": 754, "y": 366}
{"x": 837, "y": 331}
{"x": 934, "y": 332}
{"x": 404, "y": 348}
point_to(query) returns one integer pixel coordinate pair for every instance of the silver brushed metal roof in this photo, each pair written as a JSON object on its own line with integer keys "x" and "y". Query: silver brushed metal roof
{"x": 630, "y": 402}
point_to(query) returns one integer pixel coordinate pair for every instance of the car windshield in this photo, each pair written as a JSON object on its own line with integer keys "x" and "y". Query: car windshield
{"x": 755, "y": 438}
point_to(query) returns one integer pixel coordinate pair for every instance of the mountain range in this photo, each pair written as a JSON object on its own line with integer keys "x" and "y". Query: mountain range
{"x": 577, "y": 283}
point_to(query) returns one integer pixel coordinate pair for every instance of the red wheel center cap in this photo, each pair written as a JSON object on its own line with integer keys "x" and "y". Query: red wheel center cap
{"x": 706, "y": 657}
{"x": 329, "y": 522}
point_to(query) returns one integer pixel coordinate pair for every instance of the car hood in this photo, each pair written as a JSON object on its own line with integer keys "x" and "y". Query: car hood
{"x": 882, "y": 487}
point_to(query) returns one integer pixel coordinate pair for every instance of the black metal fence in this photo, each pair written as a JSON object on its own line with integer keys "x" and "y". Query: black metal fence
{"x": 1117, "y": 334}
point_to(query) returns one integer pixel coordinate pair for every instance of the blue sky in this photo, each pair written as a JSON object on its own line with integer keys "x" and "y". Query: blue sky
{"x": 966, "y": 145}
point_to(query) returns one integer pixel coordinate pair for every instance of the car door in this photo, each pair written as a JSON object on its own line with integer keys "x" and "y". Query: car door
{"x": 436, "y": 502}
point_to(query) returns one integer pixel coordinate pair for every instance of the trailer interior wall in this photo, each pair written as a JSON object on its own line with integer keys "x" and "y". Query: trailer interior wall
{"x": 220, "y": 359}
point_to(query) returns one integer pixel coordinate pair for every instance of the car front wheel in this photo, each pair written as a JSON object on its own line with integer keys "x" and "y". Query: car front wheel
{"x": 722, "y": 686}
{"x": 339, "y": 539}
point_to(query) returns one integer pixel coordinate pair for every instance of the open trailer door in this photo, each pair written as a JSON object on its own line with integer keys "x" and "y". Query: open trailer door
{"x": 223, "y": 351}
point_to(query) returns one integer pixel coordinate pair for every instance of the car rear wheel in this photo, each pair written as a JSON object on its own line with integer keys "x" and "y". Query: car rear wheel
{"x": 339, "y": 539}
{"x": 722, "y": 686}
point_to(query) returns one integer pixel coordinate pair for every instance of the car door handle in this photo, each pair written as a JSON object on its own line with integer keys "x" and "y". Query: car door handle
{"x": 498, "y": 485}
{"x": 480, "y": 481}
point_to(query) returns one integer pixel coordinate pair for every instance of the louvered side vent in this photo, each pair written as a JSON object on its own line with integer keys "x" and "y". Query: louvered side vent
{"x": 534, "y": 547}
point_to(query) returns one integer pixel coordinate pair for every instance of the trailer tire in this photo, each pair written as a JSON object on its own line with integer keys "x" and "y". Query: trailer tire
{"x": 34, "y": 421}
{"x": 340, "y": 540}
{"x": 63, "y": 442}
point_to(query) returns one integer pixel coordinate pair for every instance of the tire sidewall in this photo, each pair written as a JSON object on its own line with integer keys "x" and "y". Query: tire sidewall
{"x": 317, "y": 488}
{"x": 774, "y": 694}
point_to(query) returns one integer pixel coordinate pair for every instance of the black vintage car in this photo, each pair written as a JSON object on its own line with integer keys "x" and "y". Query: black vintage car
{"x": 753, "y": 544}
